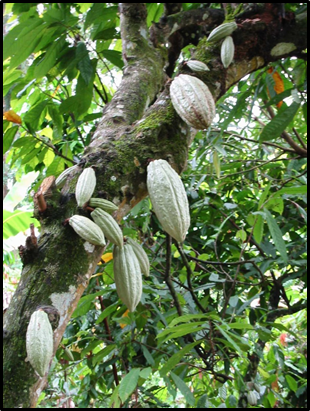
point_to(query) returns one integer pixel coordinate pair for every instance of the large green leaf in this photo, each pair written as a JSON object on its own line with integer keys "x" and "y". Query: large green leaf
{"x": 17, "y": 221}
{"x": 51, "y": 56}
{"x": 9, "y": 137}
{"x": 176, "y": 358}
{"x": 184, "y": 389}
{"x": 278, "y": 124}
{"x": 128, "y": 383}
{"x": 276, "y": 235}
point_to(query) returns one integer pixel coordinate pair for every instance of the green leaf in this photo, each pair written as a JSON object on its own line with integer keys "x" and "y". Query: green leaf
{"x": 57, "y": 120}
{"x": 275, "y": 204}
{"x": 148, "y": 355}
{"x": 292, "y": 383}
{"x": 84, "y": 63}
{"x": 185, "y": 391}
{"x": 19, "y": 190}
{"x": 105, "y": 313}
{"x": 85, "y": 303}
{"x": 17, "y": 221}
{"x": 263, "y": 196}
{"x": 145, "y": 373}
{"x": 33, "y": 118}
{"x": 129, "y": 383}
{"x": 176, "y": 358}
{"x": 226, "y": 334}
{"x": 115, "y": 57}
{"x": 278, "y": 124}
{"x": 51, "y": 56}
{"x": 292, "y": 191}
{"x": 276, "y": 235}
{"x": 216, "y": 164}
{"x": 98, "y": 357}
{"x": 9, "y": 137}
{"x": 258, "y": 230}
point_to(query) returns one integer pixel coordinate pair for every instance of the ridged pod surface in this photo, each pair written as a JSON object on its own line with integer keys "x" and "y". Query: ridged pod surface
{"x": 227, "y": 51}
{"x": 222, "y": 31}
{"x": 127, "y": 276}
{"x": 141, "y": 256}
{"x": 193, "y": 101}
{"x": 39, "y": 342}
{"x": 109, "y": 226}
{"x": 252, "y": 398}
{"x": 168, "y": 198}
{"x": 105, "y": 205}
{"x": 61, "y": 179}
{"x": 87, "y": 229}
{"x": 85, "y": 186}
{"x": 196, "y": 65}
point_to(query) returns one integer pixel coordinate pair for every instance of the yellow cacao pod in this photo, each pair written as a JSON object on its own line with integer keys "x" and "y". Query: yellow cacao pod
{"x": 127, "y": 276}
{"x": 109, "y": 226}
{"x": 87, "y": 229}
{"x": 169, "y": 199}
{"x": 85, "y": 186}
{"x": 39, "y": 342}
{"x": 193, "y": 101}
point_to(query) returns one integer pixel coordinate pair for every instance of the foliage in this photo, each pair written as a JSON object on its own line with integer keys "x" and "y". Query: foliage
{"x": 240, "y": 277}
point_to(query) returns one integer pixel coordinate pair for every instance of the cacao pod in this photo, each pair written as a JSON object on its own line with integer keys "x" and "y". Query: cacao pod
{"x": 141, "y": 256}
{"x": 61, "y": 179}
{"x": 227, "y": 51}
{"x": 222, "y": 31}
{"x": 252, "y": 398}
{"x": 109, "y": 226}
{"x": 105, "y": 205}
{"x": 87, "y": 229}
{"x": 193, "y": 101}
{"x": 39, "y": 342}
{"x": 168, "y": 198}
{"x": 85, "y": 186}
{"x": 196, "y": 65}
{"x": 127, "y": 276}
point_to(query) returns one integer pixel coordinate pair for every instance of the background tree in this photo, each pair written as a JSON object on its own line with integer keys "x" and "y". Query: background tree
{"x": 88, "y": 84}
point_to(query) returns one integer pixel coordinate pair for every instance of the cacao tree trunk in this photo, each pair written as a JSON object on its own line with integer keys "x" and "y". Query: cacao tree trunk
{"x": 139, "y": 124}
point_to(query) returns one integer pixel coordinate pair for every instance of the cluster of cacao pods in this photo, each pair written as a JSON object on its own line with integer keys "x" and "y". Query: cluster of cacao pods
{"x": 224, "y": 31}
{"x": 130, "y": 260}
{"x": 169, "y": 199}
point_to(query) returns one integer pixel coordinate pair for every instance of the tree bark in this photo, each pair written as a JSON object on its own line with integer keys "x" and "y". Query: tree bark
{"x": 137, "y": 125}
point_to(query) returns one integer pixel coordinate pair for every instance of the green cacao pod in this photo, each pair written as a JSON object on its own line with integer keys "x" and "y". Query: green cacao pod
{"x": 87, "y": 229}
{"x": 127, "y": 276}
{"x": 227, "y": 51}
{"x": 69, "y": 354}
{"x": 193, "y": 101}
{"x": 222, "y": 31}
{"x": 85, "y": 186}
{"x": 61, "y": 179}
{"x": 168, "y": 198}
{"x": 196, "y": 65}
{"x": 141, "y": 256}
{"x": 39, "y": 342}
{"x": 105, "y": 205}
{"x": 252, "y": 398}
{"x": 109, "y": 226}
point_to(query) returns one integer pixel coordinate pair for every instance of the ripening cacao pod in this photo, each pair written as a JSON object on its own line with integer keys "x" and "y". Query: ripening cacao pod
{"x": 39, "y": 342}
{"x": 141, "y": 256}
{"x": 85, "y": 186}
{"x": 109, "y": 226}
{"x": 252, "y": 398}
{"x": 227, "y": 51}
{"x": 168, "y": 198}
{"x": 193, "y": 101}
{"x": 127, "y": 276}
{"x": 222, "y": 31}
{"x": 105, "y": 205}
{"x": 196, "y": 65}
{"x": 87, "y": 229}
{"x": 61, "y": 179}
